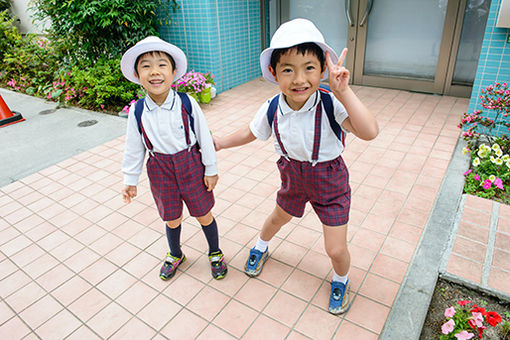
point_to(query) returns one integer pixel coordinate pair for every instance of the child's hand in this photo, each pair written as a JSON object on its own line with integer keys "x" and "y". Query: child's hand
{"x": 216, "y": 142}
{"x": 210, "y": 182}
{"x": 338, "y": 75}
{"x": 128, "y": 193}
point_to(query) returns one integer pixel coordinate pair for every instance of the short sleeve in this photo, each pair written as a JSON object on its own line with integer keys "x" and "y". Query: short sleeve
{"x": 259, "y": 125}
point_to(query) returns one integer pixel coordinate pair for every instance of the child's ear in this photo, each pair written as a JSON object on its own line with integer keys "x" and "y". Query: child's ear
{"x": 273, "y": 72}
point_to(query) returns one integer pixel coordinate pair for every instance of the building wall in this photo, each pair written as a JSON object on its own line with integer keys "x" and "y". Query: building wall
{"x": 494, "y": 62}
{"x": 218, "y": 36}
{"x": 23, "y": 12}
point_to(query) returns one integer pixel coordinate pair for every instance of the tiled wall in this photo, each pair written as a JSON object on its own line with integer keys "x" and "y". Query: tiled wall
{"x": 494, "y": 62}
{"x": 218, "y": 36}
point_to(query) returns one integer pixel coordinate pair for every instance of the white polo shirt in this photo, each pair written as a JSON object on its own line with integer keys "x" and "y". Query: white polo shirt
{"x": 165, "y": 130}
{"x": 297, "y": 129}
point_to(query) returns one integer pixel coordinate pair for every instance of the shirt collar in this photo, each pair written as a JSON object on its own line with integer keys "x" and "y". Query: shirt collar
{"x": 309, "y": 105}
{"x": 167, "y": 105}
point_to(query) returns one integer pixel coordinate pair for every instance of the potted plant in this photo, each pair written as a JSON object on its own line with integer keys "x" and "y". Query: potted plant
{"x": 196, "y": 84}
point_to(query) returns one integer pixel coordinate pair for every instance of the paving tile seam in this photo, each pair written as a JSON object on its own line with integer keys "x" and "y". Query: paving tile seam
{"x": 489, "y": 254}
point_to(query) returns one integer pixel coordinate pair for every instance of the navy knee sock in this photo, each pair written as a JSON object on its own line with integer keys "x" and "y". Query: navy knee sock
{"x": 211, "y": 234}
{"x": 173, "y": 235}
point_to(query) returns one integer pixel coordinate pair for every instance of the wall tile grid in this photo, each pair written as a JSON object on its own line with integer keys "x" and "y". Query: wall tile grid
{"x": 221, "y": 37}
{"x": 494, "y": 62}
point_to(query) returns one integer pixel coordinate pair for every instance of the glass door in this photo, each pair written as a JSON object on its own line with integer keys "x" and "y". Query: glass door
{"x": 429, "y": 46}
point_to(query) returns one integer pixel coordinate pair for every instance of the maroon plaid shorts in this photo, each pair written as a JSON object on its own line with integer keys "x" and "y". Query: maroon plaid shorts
{"x": 325, "y": 185}
{"x": 177, "y": 178}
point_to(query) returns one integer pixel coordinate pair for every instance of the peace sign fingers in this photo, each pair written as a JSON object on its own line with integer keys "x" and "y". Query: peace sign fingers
{"x": 338, "y": 75}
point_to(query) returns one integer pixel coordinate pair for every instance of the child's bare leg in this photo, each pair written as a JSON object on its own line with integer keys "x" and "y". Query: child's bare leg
{"x": 206, "y": 219}
{"x": 274, "y": 222}
{"x": 174, "y": 223}
{"x": 335, "y": 243}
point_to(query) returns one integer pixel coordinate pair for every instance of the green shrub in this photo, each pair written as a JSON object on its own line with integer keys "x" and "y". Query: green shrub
{"x": 9, "y": 35}
{"x": 103, "y": 86}
{"x": 100, "y": 28}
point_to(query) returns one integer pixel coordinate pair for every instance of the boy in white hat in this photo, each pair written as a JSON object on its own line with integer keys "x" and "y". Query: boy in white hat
{"x": 311, "y": 167}
{"x": 178, "y": 171}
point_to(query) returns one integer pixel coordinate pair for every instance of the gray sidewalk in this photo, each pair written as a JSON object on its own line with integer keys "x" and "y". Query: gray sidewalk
{"x": 49, "y": 135}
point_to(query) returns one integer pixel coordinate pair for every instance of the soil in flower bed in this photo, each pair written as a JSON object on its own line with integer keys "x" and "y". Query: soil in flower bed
{"x": 447, "y": 294}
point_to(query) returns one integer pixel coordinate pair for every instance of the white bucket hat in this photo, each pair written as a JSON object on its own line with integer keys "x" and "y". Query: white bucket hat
{"x": 152, "y": 43}
{"x": 290, "y": 34}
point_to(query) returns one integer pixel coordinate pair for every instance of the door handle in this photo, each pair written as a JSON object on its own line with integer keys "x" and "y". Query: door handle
{"x": 368, "y": 9}
{"x": 348, "y": 12}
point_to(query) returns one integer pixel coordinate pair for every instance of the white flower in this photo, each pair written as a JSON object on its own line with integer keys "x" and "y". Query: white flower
{"x": 505, "y": 158}
{"x": 499, "y": 161}
{"x": 508, "y": 163}
{"x": 493, "y": 160}
{"x": 476, "y": 162}
{"x": 492, "y": 178}
{"x": 495, "y": 146}
{"x": 499, "y": 152}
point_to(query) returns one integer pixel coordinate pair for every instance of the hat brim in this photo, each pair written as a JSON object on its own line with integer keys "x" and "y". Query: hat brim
{"x": 265, "y": 60}
{"x": 127, "y": 64}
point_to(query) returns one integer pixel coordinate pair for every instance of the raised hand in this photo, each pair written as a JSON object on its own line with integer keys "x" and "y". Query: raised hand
{"x": 338, "y": 74}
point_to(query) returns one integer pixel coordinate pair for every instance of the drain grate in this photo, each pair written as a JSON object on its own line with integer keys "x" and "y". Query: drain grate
{"x": 86, "y": 123}
{"x": 47, "y": 112}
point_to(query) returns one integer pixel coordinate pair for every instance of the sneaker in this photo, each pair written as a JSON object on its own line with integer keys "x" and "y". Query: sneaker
{"x": 255, "y": 262}
{"x": 339, "y": 301}
{"x": 218, "y": 265}
{"x": 170, "y": 266}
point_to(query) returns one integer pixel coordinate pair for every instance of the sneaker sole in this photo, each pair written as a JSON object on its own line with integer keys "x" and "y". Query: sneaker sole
{"x": 173, "y": 273}
{"x": 256, "y": 273}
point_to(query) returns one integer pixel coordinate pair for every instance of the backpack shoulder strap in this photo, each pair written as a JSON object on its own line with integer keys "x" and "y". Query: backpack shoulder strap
{"x": 187, "y": 106}
{"x": 328, "y": 106}
{"x": 273, "y": 105}
{"x": 138, "y": 113}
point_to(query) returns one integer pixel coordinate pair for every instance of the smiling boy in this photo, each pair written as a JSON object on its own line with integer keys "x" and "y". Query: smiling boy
{"x": 311, "y": 166}
{"x": 182, "y": 161}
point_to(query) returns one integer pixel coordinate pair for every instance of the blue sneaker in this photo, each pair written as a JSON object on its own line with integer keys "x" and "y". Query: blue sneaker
{"x": 255, "y": 262}
{"x": 339, "y": 301}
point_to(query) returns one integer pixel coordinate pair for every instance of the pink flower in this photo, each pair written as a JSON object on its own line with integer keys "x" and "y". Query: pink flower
{"x": 449, "y": 312}
{"x": 468, "y": 172}
{"x": 487, "y": 184}
{"x": 498, "y": 183}
{"x": 477, "y": 318}
{"x": 447, "y": 328}
{"x": 464, "y": 335}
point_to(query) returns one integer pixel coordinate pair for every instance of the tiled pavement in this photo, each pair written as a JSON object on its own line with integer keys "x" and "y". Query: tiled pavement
{"x": 479, "y": 252}
{"x": 77, "y": 263}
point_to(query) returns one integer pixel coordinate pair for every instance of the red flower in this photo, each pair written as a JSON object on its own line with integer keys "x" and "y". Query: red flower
{"x": 478, "y": 310}
{"x": 480, "y": 331}
{"x": 471, "y": 323}
{"x": 493, "y": 318}
{"x": 463, "y": 302}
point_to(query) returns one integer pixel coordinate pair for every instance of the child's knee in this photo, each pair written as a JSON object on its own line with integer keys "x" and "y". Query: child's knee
{"x": 174, "y": 223}
{"x": 337, "y": 251}
{"x": 206, "y": 219}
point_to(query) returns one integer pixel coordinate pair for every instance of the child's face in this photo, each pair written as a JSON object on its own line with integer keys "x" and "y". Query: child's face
{"x": 156, "y": 75}
{"x": 298, "y": 76}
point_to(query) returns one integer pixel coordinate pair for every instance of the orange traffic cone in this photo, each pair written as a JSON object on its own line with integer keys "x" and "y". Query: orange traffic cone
{"x": 6, "y": 116}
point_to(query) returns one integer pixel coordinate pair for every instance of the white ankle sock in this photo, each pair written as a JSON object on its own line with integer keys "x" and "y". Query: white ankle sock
{"x": 261, "y": 245}
{"x": 340, "y": 278}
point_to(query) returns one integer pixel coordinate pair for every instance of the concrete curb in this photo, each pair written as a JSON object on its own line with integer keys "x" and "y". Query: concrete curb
{"x": 409, "y": 310}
